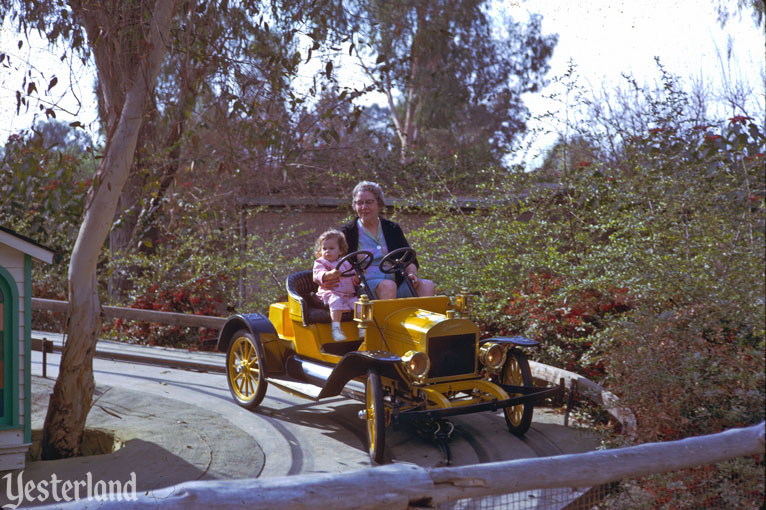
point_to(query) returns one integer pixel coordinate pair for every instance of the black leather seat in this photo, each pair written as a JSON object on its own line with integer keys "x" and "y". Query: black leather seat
{"x": 301, "y": 287}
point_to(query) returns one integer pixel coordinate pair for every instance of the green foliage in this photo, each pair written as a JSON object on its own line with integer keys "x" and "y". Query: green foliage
{"x": 44, "y": 182}
{"x": 672, "y": 217}
{"x": 206, "y": 270}
{"x": 185, "y": 274}
{"x": 563, "y": 318}
{"x": 43, "y": 188}
{"x": 688, "y": 370}
{"x": 202, "y": 296}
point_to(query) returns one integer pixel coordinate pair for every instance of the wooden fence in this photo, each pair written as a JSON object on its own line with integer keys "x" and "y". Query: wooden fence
{"x": 408, "y": 486}
{"x": 138, "y": 314}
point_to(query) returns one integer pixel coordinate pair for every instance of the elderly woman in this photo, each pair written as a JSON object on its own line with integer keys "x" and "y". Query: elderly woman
{"x": 376, "y": 234}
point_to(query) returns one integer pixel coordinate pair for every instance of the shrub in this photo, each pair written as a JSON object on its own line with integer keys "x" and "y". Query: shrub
{"x": 738, "y": 483}
{"x": 199, "y": 297}
{"x": 563, "y": 319}
{"x": 43, "y": 187}
{"x": 687, "y": 371}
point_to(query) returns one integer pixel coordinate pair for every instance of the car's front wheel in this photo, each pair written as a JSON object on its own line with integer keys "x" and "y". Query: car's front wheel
{"x": 516, "y": 372}
{"x": 374, "y": 413}
{"x": 244, "y": 369}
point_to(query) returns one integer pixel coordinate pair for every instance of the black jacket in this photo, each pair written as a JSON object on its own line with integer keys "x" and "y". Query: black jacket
{"x": 392, "y": 233}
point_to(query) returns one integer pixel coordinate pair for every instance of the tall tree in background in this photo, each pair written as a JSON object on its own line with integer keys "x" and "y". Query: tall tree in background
{"x": 226, "y": 105}
{"x": 213, "y": 45}
{"x": 452, "y": 76}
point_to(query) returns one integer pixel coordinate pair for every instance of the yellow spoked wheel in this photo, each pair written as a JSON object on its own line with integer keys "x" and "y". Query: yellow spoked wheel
{"x": 244, "y": 369}
{"x": 375, "y": 415}
{"x": 516, "y": 371}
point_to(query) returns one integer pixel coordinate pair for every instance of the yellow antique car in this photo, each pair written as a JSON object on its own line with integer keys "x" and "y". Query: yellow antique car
{"x": 418, "y": 358}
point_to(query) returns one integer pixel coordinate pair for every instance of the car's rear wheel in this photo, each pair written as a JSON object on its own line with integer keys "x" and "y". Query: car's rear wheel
{"x": 375, "y": 417}
{"x": 516, "y": 372}
{"x": 244, "y": 369}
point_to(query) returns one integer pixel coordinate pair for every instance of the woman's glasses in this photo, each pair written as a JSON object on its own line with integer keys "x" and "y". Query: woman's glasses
{"x": 368, "y": 203}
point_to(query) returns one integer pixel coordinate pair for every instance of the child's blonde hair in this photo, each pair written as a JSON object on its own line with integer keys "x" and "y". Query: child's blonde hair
{"x": 331, "y": 234}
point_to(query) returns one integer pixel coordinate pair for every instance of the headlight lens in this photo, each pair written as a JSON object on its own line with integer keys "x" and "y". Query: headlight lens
{"x": 492, "y": 355}
{"x": 416, "y": 364}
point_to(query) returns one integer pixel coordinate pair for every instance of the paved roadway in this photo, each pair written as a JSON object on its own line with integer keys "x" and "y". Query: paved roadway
{"x": 298, "y": 436}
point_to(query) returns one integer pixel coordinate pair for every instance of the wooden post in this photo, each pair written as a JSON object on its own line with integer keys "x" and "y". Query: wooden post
{"x": 45, "y": 346}
{"x": 45, "y": 358}
{"x": 242, "y": 256}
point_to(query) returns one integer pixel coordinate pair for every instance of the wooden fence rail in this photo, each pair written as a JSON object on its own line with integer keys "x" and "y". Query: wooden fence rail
{"x": 589, "y": 389}
{"x": 407, "y": 486}
{"x": 138, "y": 314}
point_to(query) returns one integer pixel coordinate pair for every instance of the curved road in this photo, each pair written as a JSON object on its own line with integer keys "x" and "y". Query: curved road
{"x": 300, "y": 436}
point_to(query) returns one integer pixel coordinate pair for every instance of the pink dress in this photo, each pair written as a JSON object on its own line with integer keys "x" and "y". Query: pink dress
{"x": 341, "y": 297}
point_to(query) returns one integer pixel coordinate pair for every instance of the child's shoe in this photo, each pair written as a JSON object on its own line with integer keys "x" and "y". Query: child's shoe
{"x": 337, "y": 333}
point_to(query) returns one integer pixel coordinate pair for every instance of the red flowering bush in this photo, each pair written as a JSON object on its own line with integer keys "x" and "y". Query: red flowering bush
{"x": 201, "y": 296}
{"x": 561, "y": 318}
{"x": 45, "y": 320}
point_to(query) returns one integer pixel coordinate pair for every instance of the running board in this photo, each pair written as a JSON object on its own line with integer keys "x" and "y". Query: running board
{"x": 353, "y": 389}
{"x": 296, "y": 387}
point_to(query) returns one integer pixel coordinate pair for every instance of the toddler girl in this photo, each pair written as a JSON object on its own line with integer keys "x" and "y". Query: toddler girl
{"x": 330, "y": 247}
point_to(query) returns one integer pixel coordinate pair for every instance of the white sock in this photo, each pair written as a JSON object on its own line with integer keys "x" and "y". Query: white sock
{"x": 336, "y": 325}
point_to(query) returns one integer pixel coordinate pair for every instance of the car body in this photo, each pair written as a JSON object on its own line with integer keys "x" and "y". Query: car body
{"x": 417, "y": 358}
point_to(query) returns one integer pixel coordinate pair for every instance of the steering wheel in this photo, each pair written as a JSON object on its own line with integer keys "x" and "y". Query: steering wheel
{"x": 359, "y": 260}
{"x": 397, "y": 260}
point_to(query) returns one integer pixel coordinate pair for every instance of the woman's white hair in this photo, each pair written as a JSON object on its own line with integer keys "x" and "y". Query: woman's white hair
{"x": 372, "y": 187}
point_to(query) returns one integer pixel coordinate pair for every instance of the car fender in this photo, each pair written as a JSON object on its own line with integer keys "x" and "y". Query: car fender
{"x": 262, "y": 330}
{"x": 356, "y": 364}
{"x": 511, "y": 340}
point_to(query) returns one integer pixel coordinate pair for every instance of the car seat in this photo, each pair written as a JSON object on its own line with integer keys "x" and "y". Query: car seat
{"x": 302, "y": 288}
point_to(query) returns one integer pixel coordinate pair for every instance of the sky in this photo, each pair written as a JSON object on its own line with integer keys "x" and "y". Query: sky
{"x": 607, "y": 39}
{"x": 603, "y": 38}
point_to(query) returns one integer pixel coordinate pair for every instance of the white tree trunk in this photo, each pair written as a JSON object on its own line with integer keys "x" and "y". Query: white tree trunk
{"x": 73, "y": 392}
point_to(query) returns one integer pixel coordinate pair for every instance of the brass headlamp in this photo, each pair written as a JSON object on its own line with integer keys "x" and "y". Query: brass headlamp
{"x": 416, "y": 364}
{"x": 492, "y": 355}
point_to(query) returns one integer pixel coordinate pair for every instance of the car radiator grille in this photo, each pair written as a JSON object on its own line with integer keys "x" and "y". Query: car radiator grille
{"x": 452, "y": 355}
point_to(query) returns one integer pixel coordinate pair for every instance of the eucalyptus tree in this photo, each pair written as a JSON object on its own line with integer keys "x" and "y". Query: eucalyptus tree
{"x": 228, "y": 70}
{"x": 452, "y": 71}
{"x": 227, "y": 61}
{"x": 129, "y": 41}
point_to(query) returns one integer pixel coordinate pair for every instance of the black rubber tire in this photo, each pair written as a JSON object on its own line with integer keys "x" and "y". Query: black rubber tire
{"x": 244, "y": 369}
{"x": 516, "y": 371}
{"x": 375, "y": 418}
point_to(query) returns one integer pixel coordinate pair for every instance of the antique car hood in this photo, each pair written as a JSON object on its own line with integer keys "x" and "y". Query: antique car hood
{"x": 409, "y": 328}
{"x": 418, "y": 322}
